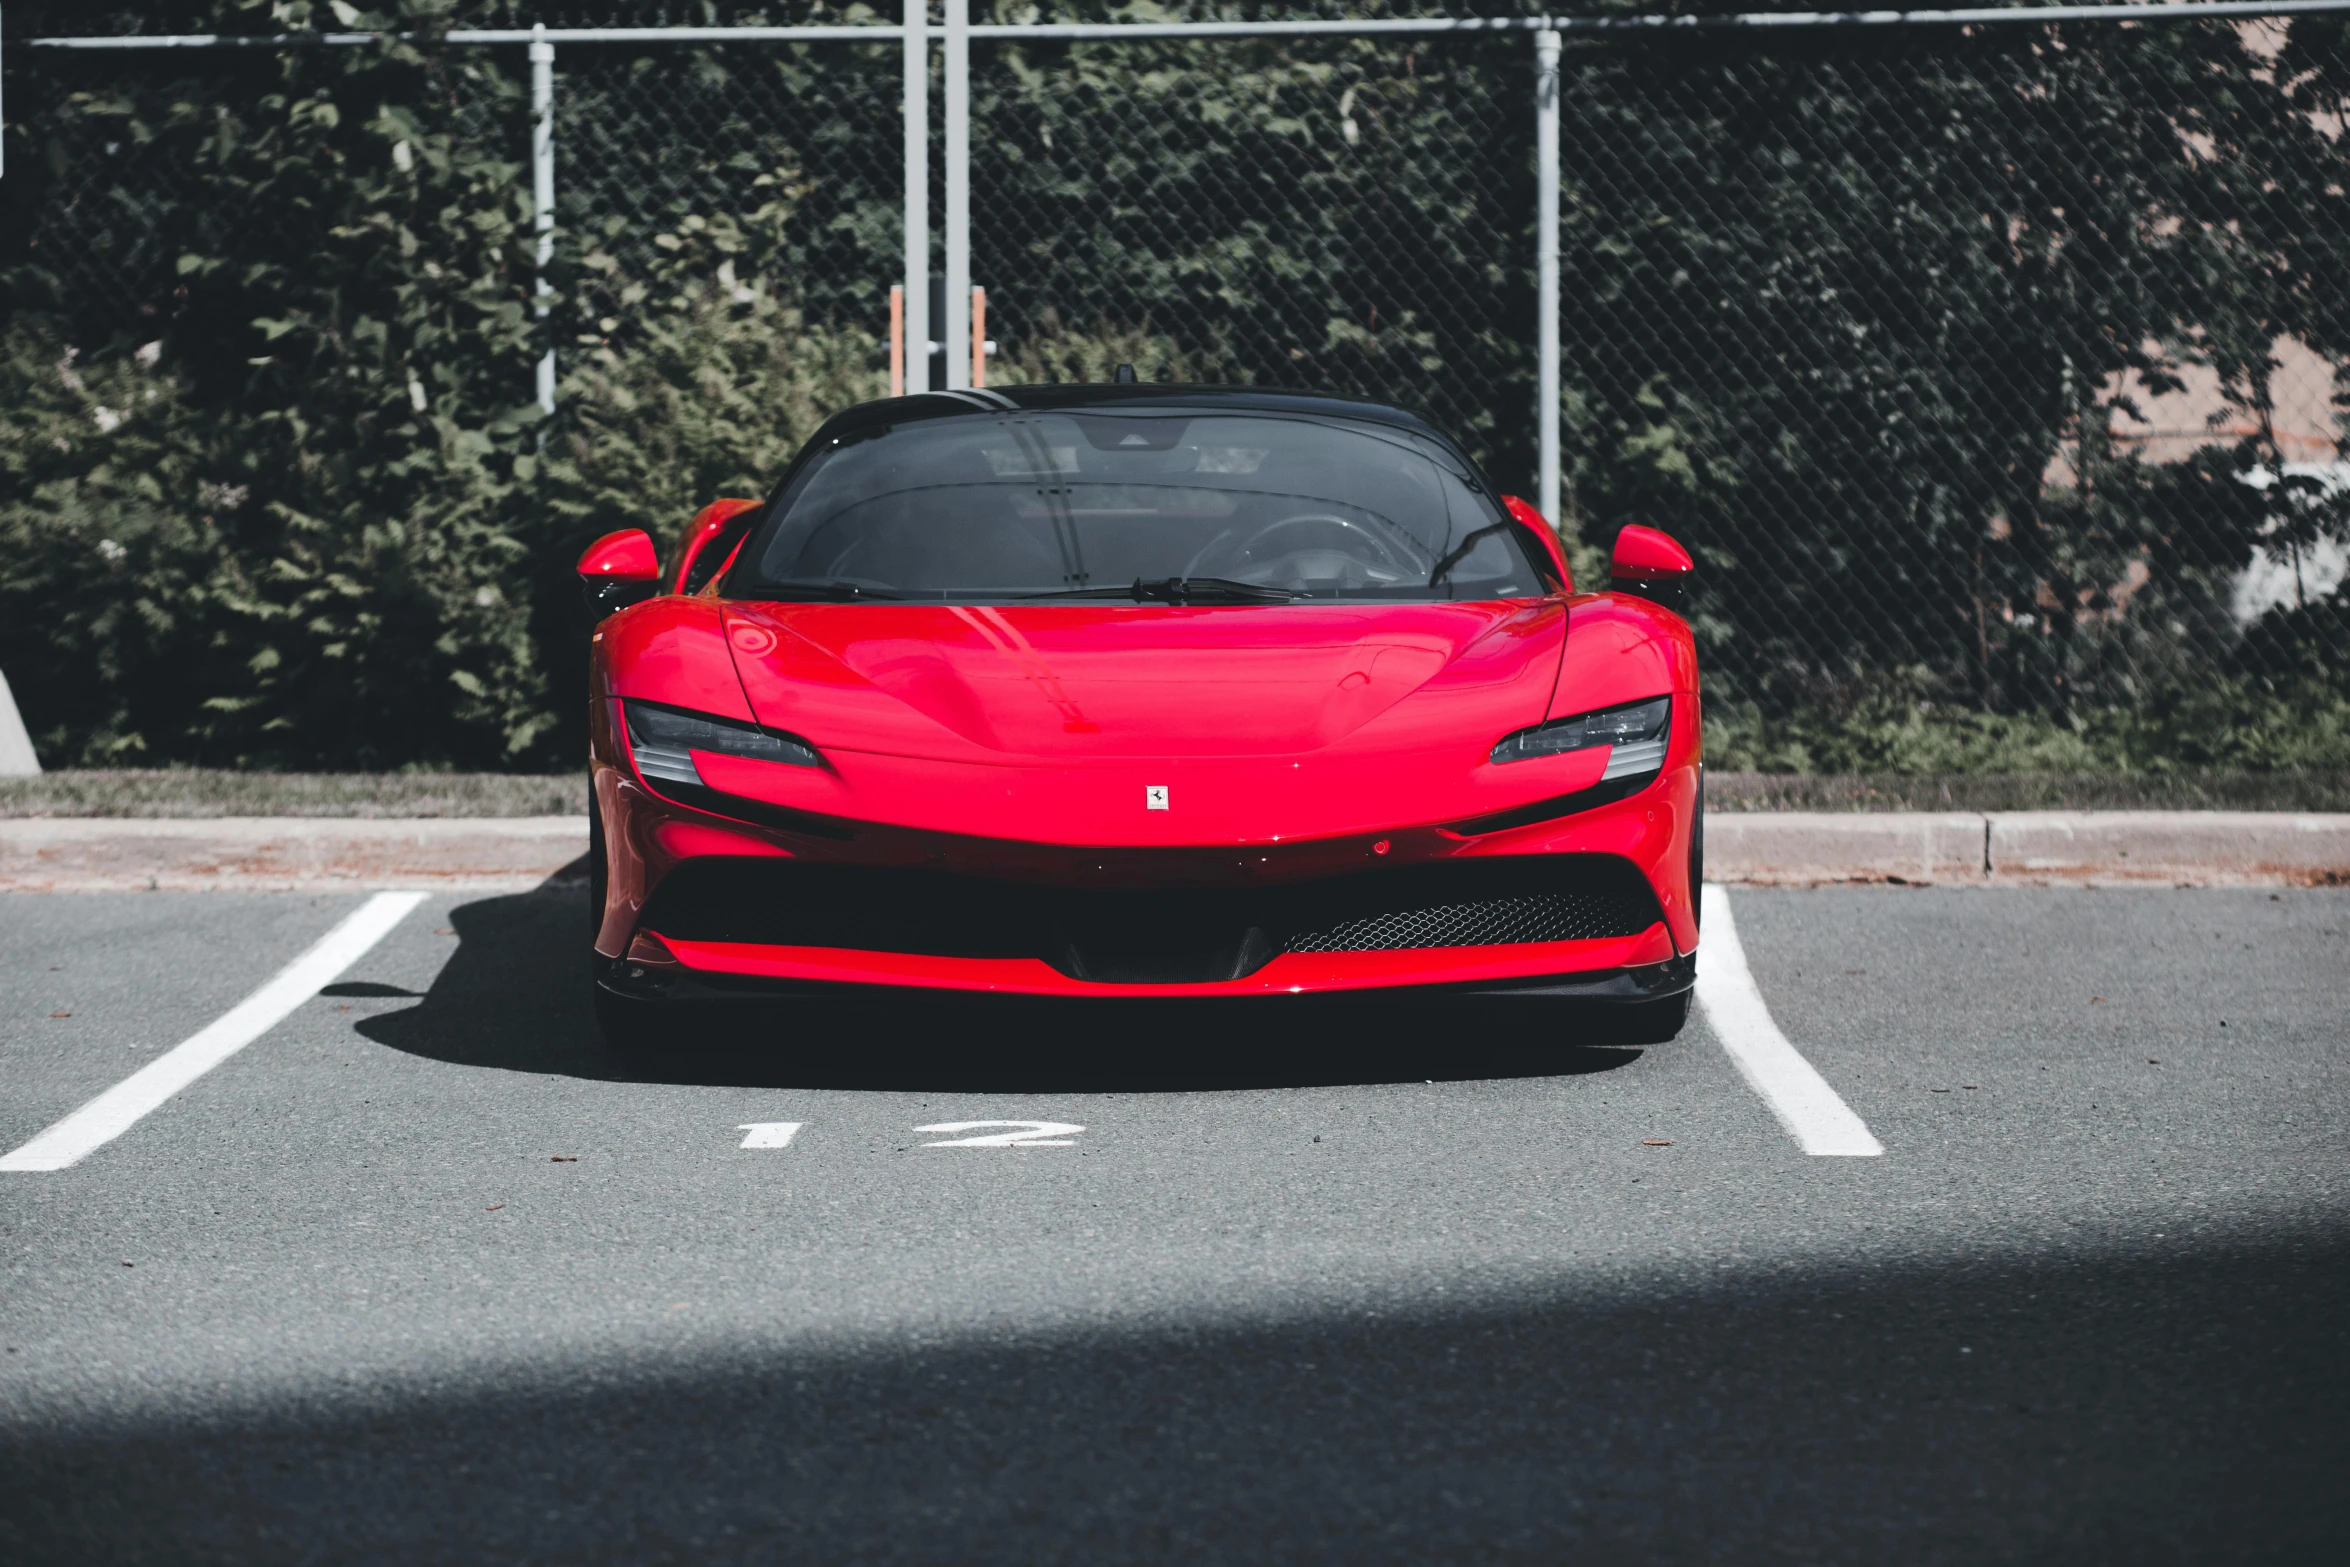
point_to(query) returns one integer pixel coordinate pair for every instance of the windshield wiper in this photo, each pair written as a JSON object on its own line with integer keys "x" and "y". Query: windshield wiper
{"x": 834, "y": 588}
{"x": 1184, "y": 590}
{"x": 1200, "y": 590}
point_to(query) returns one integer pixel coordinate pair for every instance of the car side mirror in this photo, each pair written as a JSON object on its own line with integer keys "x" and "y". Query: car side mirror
{"x": 618, "y": 570}
{"x": 1546, "y": 537}
{"x": 1651, "y": 565}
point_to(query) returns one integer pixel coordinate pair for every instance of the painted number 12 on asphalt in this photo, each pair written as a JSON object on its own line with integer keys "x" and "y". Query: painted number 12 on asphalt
{"x": 991, "y": 1134}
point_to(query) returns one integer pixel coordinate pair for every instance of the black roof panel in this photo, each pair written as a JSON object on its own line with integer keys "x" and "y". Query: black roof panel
{"x": 1098, "y": 394}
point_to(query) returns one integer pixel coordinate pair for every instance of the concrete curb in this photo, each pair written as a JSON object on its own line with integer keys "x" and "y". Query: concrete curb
{"x": 2029, "y": 848}
{"x": 1787, "y": 849}
{"x": 285, "y": 853}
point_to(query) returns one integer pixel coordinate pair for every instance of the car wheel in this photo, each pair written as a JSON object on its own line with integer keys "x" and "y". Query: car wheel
{"x": 1648, "y": 1022}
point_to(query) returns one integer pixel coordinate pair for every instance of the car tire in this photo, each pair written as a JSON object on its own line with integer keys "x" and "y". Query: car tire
{"x": 640, "y": 1031}
{"x": 1648, "y": 1022}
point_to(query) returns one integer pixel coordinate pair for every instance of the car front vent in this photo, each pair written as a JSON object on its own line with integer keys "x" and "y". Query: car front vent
{"x": 1139, "y": 936}
{"x": 1473, "y": 903}
{"x": 1490, "y": 922}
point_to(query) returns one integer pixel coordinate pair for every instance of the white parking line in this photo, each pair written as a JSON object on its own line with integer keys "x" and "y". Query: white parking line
{"x": 115, "y": 1111}
{"x": 1820, "y": 1122}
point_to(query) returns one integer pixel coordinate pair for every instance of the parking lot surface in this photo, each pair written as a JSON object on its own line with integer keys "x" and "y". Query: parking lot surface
{"x": 424, "y": 1273}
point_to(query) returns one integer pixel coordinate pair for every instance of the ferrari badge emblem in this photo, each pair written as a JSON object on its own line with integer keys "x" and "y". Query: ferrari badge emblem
{"x": 1154, "y": 797}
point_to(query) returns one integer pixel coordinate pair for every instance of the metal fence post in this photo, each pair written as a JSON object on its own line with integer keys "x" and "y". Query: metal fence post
{"x": 1546, "y": 267}
{"x": 917, "y": 195}
{"x": 956, "y": 332}
{"x": 542, "y": 188}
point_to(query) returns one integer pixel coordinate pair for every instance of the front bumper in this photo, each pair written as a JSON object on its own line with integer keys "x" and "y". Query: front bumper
{"x": 703, "y": 975}
{"x": 830, "y": 904}
{"x": 1590, "y": 967}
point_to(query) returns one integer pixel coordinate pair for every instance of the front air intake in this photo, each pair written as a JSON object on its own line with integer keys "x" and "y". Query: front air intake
{"x": 1184, "y": 935}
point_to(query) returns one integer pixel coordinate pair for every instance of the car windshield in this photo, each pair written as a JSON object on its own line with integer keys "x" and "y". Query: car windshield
{"x": 1142, "y": 502}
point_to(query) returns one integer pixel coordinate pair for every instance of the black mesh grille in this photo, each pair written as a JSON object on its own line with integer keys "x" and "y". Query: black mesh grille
{"x": 1491, "y": 922}
{"x": 1171, "y": 936}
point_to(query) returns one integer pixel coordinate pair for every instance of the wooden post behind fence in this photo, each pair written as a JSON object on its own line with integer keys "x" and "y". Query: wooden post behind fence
{"x": 979, "y": 337}
{"x": 897, "y": 340}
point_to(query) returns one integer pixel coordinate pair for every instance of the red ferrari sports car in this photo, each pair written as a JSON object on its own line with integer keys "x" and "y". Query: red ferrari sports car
{"x": 1134, "y": 690}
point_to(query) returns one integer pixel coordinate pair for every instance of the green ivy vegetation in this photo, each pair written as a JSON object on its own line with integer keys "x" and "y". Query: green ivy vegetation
{"x": 318, "y": 520}
{"x": 312, "y": 517}
{"x": 292, "y": 527}
{"x": 1893, "y": 729}
{"x": 701, "y": 382}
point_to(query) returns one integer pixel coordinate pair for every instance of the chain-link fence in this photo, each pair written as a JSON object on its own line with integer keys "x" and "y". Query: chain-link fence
{"x": 1353, "y": 214}
{"x": 2003, "y": 358}
{"x": 1999, "y": 367}
{"x": 654, "y": 140}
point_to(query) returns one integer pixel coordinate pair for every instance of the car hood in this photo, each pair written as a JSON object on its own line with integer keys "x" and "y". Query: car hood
{"x": 1066, "y": 684}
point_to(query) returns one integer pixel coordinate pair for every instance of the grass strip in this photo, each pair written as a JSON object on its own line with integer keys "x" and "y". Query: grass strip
{"x": 2187, "y": 790}
{"x": 202, "y": 792}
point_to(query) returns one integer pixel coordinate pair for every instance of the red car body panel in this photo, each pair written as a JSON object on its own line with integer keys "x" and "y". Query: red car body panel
{"x": 1075, "y": 797}
{"x": 1018, "y": 741}
{"x": 1621, "y": 649}
{"x": 712, "y": 523}
{"x": 1539, "y": 529}
{"x": 1292, "y": 973}
{"x": 1045, "y": 724}
{"x": 670, "y": 650}
{"x": 1069, "y": 683}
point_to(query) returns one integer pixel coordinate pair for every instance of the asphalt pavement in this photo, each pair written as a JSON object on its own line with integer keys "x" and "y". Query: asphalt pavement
{"x": 425, "y": 1274}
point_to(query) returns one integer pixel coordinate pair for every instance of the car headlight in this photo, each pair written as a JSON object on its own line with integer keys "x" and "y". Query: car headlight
{"x": 1634, "y": 733}
{"x": 663, "y": 740}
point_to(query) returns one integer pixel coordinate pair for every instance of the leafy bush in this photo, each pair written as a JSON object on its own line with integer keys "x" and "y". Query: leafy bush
{"x": 174, "y": 598}
{"x": 346, "y": 547}
{"x": 1834, "y": 305}
{"x": 696, "y": 380}
{"x": 2242, "y": 723}
{"x": 1053, "y": 353}
{"x": 306, "y": 487}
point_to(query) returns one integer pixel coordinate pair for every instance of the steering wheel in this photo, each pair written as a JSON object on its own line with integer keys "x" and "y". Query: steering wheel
{"x": 1375, "y": 550}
